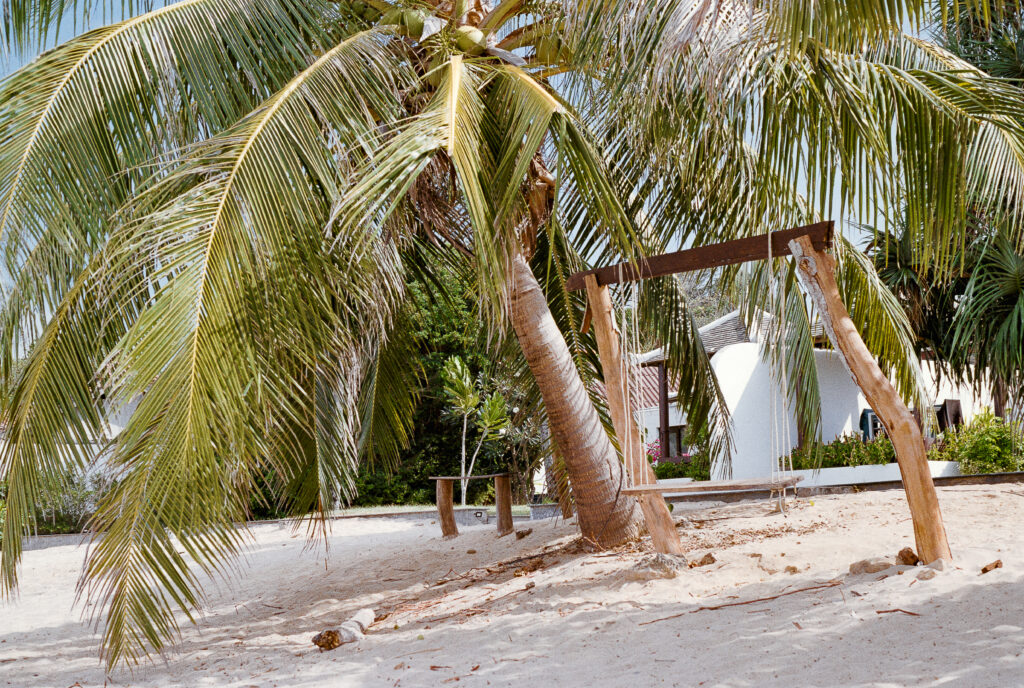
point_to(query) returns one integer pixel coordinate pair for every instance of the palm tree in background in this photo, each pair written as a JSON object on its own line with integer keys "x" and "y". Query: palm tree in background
{"x": 209, "y": 212}
{"x": 988, "y": 330}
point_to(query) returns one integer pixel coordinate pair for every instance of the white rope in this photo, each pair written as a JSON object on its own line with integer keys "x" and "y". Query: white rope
{"x": 781, "y": 441}
{"x": 626, "y": 330}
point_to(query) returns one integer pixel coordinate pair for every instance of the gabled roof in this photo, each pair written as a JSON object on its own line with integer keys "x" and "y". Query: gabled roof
{"x": 729, "y": 329}
{"x": 716, "y": 335}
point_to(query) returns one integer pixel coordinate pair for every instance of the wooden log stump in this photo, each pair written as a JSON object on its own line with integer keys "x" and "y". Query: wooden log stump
{"x": 816, "y": 273}
{"x": 616, "y": 381}
{"x": 446, "y": 509}
{"x": 503, "y": 504}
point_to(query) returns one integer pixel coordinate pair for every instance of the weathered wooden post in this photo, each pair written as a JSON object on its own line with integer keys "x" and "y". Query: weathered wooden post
{"x": 503, "y": 503}
{"x": 816, "y": 272}
{"x": 446, "y": 508}
{"x": 656, "y": 513}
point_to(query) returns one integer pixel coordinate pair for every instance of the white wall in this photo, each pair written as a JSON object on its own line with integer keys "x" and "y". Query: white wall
{"x": 970, "y": 403}
{"x": 648, "y": 420}
{"x": 745, "y": 384}
{"x": 841, "y": 399}
{"x": 758, "y": 436}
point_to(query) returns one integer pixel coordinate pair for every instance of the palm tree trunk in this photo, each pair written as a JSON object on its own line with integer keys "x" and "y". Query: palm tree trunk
{"x": 999, "y": 397}
{"x": 464, "y": 482}
{"x": 606, "y": 517}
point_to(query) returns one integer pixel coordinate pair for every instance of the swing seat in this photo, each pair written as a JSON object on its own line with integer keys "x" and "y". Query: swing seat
{"x": 772, "y": 484}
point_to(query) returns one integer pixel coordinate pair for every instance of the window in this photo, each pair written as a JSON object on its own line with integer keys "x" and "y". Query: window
{"x": 676, "y": 433}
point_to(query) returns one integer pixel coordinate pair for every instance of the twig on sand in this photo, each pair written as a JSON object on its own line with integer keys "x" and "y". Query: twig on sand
{"x": 893, "y": 611}
{"x": 472, "y": 611}
{"x": 829, "y": 584}
{"x": 417, "y": 652}
{"x": 497, "y": 567}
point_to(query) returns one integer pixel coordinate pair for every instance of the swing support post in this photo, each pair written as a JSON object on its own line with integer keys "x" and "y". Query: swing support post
{"x": 816, "y": 272}
{"x": 616, "y": 379}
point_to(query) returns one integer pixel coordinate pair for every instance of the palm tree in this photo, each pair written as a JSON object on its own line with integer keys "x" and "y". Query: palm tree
{"x": 988, "y": 330}
{"x": 928, "y": 298}
{"x": 208, "y": 214}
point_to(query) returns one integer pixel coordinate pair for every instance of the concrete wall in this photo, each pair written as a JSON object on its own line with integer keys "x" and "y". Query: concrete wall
{"x": 860, "y": 475}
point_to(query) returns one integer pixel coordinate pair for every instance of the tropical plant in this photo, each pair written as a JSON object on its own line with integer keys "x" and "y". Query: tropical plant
{"x": 214, "y": 209}
{"x": 986, "y": 444}
{"x": 844, "y": 451}
{"x": 928, "y": 299}
{"x": 988, "y": 331}
{"x": 491, "y": 413}
{"x": 3, "y": 508}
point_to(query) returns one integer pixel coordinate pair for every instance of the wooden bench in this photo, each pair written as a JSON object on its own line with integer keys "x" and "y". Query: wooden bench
{"x": 774, "y": 485}
{"x": 446, "y": 504}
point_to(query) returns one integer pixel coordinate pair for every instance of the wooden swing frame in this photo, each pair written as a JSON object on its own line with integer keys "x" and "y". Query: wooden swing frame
{"x": 816, "y": 274}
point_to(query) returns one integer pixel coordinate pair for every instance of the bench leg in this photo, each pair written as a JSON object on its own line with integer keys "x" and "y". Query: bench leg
{"x": 503, "y": 504}
{"x": 446, "y": 509}
{"x": 660, "y": 524}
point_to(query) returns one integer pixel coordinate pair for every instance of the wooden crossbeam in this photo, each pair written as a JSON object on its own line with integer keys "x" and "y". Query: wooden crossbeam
{"x": 704, "y": 257}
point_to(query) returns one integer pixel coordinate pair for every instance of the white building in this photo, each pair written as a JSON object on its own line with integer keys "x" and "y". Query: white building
{"x": 759, "y": 435}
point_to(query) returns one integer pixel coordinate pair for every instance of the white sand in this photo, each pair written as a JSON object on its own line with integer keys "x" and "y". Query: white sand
{"x": 580, "y": 624}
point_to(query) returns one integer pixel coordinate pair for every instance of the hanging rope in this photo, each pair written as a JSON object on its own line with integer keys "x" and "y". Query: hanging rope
{"x": 781, "y": 440}
{"x": 625, "y": 330}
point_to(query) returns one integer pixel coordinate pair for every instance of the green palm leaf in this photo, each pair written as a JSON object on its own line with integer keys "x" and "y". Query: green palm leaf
{"x": 83, "y": 124}
{"x": 238, "y": 227}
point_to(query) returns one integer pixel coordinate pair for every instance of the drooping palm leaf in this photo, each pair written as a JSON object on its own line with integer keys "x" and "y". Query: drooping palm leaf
{"x": 245, "y": 210}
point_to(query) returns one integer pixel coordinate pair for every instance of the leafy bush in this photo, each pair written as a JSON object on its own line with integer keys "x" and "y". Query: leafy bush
{"x": 985, "y": 445}
{"x": 67, "y": 509}
{"x": 696, "y": 466}
{"x": 848, "y": 450}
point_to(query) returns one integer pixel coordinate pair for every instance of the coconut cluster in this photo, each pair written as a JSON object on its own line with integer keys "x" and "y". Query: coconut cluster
{"x": 361, "y": 9}
{"x": 410, "y": 22}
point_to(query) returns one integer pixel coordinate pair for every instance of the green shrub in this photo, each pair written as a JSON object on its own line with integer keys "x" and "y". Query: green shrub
{"x": 848, "y": 450}
{"x": 67, "y": 508}
{"x": 697, "y": 467}
{"x": 985, "y": 445}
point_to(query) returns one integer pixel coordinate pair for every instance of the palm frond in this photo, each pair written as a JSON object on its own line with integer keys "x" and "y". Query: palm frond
{"x": 242, "y": 276}
{"x": 52, "y": 412}
{"x": 988, "y": 334}
{"x": 776, "y": 308}
{"x": 881, "y": 321}
{"x": 85, "y": 123}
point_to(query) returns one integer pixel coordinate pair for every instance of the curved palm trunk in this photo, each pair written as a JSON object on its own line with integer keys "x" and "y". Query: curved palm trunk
{"x": 606, "y": 516}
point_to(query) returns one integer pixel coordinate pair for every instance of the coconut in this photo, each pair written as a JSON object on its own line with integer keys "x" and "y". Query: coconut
{"x": 413, "y": 20}
{"x": 371, "y": 13}
{"x": 435, "y": 71}
{"x": 392, "y": 17}
{"x": 470, "y": 40}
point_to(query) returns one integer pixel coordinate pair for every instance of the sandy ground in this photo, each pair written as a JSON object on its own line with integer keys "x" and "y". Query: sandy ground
{"x": 455, "y": 615}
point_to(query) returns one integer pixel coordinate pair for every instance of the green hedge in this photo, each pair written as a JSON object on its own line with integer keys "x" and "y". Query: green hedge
{"x": 985, "y": 445}
{"x": 697, "y": 467}
{"x": 848, "y": 450}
